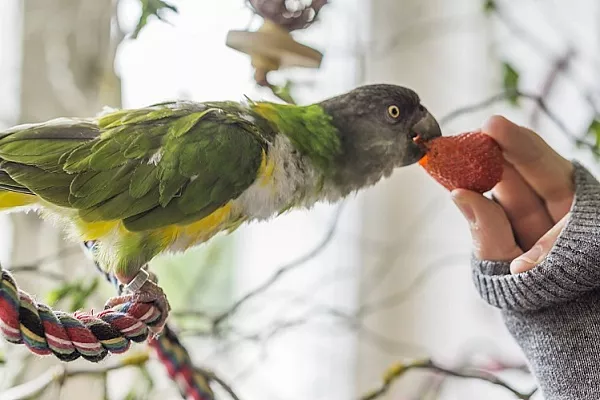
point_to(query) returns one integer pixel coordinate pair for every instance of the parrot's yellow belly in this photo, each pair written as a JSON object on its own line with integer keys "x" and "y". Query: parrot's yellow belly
{"x": 180, "y": 236}
{"x": 183, "y": 237}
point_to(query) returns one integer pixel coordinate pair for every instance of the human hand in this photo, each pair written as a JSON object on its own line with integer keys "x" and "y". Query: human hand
{"x": 532, "y": 204}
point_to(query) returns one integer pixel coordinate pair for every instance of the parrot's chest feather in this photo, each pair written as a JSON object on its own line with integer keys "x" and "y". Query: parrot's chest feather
{"x": 286, "y": 180}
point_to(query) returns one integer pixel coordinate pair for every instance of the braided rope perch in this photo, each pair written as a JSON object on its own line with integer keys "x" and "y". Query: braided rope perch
{"x": 193, "y": 383}
{"x": 69, "y": 336}
{"x": 45, "y": 331}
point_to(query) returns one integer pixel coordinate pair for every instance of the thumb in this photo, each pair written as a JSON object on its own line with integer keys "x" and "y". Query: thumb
{"x": 491, "y": 231}
{"x": 539, "y": 250}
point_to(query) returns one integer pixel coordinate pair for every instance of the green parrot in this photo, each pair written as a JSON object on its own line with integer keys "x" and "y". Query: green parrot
{"x": 140, "y": 182}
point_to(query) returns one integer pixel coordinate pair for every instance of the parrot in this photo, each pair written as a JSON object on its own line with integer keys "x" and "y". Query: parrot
{"x": 163, "y": 178}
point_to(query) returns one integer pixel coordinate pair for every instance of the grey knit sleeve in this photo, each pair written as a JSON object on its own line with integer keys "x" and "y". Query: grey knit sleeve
{"x": 553, "y": 310}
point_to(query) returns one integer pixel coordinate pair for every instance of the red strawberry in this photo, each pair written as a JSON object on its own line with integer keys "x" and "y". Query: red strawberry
{"x": 470, "y": 160}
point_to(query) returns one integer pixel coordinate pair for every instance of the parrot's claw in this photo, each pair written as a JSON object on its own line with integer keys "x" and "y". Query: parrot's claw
{"x": 149, "y": 292}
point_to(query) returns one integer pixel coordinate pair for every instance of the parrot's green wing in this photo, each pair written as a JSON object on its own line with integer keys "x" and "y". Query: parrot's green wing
{"x": 30, "y": 157}
{"x": 166, "y": 164}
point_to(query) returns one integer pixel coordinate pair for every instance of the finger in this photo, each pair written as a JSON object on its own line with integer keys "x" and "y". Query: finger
{"x": 539, "y": 251}
{"x": 526, "y": 211}
{"x": 490, "y": 229}
{"x": 549, "y": 174}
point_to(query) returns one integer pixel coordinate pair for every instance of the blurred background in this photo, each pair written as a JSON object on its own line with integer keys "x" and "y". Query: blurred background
{"x": 340, "y": 293}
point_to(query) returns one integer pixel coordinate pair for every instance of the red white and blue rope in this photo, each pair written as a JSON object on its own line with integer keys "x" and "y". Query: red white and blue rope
{"x": 93, "y": 336}
{"x": 193, "y": 383}
{"x": 69, "y": 336}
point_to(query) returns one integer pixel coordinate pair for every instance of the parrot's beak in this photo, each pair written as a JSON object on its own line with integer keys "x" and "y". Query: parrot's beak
{"x": 426, "y": 128}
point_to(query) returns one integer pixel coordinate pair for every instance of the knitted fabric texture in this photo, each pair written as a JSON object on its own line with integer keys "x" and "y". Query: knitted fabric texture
{"x": 553, "y": 310}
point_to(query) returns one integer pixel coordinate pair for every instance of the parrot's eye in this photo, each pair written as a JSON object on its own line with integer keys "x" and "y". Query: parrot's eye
{"x": 393, "y": 111}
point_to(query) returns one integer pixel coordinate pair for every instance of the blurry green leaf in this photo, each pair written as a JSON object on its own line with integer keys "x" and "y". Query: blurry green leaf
{"x": 82, "y": 295}
{"x": 77, "y": 292}
{"x": 511, "y": 83}
{"x": 59, "y": 293}
{"x": 151, "y": 8}
{"x": 284, "y": 92}
{"x": 594, "y": 132}
{"x": 489, "y": 6}
{"x": 131, "y": 395}
{"x": 200, "y": 277}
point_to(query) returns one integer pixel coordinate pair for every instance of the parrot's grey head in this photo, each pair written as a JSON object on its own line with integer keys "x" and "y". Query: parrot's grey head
{"x": 378, "y": 125}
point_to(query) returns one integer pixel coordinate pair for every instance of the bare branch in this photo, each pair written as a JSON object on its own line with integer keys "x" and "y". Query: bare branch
{"x": 282, "y": 271}
{"x": 60, "y": 373}
{"x": 523, "y": 34}
{"x": 420, "y": 31}
{"x": 559, "y": 66}
{"x": 396, "y": 299}
{"x": 474, "y": 107}
{"x": 397, "y": 371}
{"x": 538, "y": 46}
{"x": 539, "y": 101}
{"x": 222, "y": 383}
{"x": 386, "y": 262}
{"x": 54, "y": 276}
{"x": 59, "y": 255}
{"x": 36, "y": 265}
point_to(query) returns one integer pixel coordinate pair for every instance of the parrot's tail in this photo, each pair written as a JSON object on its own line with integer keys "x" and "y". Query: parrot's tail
{"x": 25, "y": 148}
{"x": 13, "y": 195}
{"x": 12, "y": 200}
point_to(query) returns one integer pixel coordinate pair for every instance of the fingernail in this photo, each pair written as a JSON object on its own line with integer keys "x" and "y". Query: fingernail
{"x": 464, "y": 208}
{"x": 528, "y": 260}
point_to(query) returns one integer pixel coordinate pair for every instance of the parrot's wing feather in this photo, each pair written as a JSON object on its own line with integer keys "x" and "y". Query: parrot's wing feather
{"x": 8, "y": 183}
{"x": 201, "y": 173}
{"x": 166, "y": 164}
{"x": 31, "y": 156}
{"x": 183, "y": 167}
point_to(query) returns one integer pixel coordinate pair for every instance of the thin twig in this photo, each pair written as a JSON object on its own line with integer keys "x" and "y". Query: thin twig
{"x": 317, "y": 310}
{"x": 282, "y": 271}
{"x": 58, "y": 256}
{"x": 399, "y": 370}
{"x": 475, "y": 107}
{"x": 55, "y": 276}
{"x": 538, "y": 46}
{"x": 395, "y": 299}
{"x": 522, "y": 33}
{"x": 222, "y": 383}
{"x": 420, "y": 31}
{"x": 59, "y": 373}
{"x": 558, "y": 67}
{"x": 387, "y": 260}
{"x": 192, "y": 313}
{"x": 539, "y": 101}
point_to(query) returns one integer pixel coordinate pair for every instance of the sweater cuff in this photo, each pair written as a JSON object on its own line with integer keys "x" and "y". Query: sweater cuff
{"x": 570, "y": 269}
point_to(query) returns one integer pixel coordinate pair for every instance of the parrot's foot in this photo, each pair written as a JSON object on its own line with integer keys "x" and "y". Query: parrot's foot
{"x": 146, "y": 292}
